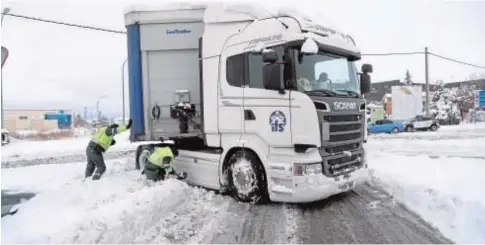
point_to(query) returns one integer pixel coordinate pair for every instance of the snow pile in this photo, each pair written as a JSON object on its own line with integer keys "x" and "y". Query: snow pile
{"x": 122, "y": 207}
{"x": 448, "y": 193}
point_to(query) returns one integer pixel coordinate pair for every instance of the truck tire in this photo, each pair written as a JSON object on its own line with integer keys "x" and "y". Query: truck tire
{"x": 142, "y": 153}
{"x": 433, "y": 127}
{"x": 395, "y": 130}
{"x": 247, "y": 179}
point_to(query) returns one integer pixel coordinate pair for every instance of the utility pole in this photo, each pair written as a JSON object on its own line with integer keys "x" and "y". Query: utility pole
{"x": 426, "y": 70}
{"x": 4, "y": 11}
{"x": 123, "y": 88}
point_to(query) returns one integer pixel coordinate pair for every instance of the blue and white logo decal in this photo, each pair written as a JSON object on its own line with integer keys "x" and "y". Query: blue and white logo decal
{"x": 277, "y": 121}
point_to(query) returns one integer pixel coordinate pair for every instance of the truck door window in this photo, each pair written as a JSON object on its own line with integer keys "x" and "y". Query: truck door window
{"x": 235, "y": 70}
{"x": 255, "y": 68}
{"x": 255, "y": 65}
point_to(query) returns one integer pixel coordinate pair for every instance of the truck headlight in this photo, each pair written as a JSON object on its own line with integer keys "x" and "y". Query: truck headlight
{"x": 300, "y": 169}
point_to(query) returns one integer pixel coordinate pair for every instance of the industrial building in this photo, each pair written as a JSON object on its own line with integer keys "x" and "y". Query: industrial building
{"x": 36, "y": 120}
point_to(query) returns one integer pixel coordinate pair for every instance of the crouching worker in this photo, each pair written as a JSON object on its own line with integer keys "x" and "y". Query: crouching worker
{"x": 159, "y": 165}
{"x": 100, "y": 142}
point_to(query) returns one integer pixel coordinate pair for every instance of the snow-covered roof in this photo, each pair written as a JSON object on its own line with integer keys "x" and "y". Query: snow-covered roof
{"x": 223, "y": 12}
{"x": 208, "y": 13}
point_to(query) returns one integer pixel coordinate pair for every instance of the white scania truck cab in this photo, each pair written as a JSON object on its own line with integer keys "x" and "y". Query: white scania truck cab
{"x": 267, "y": 107}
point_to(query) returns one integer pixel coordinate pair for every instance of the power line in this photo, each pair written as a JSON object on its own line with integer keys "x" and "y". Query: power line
{"x": 457, "y": 61}
{"x": 66, "y": 24}
{"x": 389, "y": 54}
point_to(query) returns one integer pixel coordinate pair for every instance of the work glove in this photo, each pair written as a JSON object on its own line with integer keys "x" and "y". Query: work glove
{"x": 113, "y": 142}
{"x": 128, "y": 126}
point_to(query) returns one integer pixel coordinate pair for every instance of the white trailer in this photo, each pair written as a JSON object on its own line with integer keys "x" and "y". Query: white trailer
{"x": 407, "y": 102}
{"x": 243, "y": 96}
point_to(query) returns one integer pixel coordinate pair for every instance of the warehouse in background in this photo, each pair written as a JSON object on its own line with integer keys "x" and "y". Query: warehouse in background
{"x": 37, "y": 120}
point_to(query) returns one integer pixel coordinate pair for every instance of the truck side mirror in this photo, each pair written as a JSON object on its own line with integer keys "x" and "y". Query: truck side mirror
{"x": 272, "y": 77}
{"x": 367, "y": 68}
{"x": 269, "y": 56}
{"x": 365, "y": 81}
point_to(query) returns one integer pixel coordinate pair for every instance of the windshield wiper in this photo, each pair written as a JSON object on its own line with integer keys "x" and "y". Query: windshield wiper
{"x": 327, "y": 92}
{"x": 349, "y": 92}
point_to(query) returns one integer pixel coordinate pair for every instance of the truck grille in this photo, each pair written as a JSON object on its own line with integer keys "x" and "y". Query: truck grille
{"x": 344, "y": 137}
{"x": 342, "y": 118}
{"x": 345, "y": 134}
{"x": 341, "y": 148}
{"x": 336, "y": 128}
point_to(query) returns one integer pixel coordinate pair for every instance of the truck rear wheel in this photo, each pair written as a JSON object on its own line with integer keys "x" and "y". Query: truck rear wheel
{"x": 247, "y": 179}
{"x": 142, "y": 154}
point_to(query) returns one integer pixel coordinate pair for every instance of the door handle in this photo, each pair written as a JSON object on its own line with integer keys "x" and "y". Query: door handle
{"x": 249, "y": 115}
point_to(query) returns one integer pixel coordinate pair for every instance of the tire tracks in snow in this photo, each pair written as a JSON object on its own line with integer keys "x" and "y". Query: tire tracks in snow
{"x": 365, "y": 215}
{"x": 246, "y": 223}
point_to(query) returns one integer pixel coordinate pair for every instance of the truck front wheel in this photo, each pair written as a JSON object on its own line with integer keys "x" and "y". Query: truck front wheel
{"x": 247, "y": 179}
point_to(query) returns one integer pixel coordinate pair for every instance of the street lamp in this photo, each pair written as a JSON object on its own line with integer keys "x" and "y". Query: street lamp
{"x": 123, "y": 87}
{"x": 97, "y": 107}
{"x": 5, "y": 11}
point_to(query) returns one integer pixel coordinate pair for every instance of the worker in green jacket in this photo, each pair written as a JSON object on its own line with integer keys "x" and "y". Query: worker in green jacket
{"x": 159, "y": 164}
{"x": 102, "y": 139}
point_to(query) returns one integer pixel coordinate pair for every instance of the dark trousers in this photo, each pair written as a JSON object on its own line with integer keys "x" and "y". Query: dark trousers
{"x": 95, "y": 161}
{"x": 153, "y": 172}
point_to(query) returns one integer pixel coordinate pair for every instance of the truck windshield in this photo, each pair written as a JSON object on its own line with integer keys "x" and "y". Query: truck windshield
{"x": 327, "y": 73}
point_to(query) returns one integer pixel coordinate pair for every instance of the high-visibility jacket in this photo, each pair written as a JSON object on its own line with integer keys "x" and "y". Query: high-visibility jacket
{"x": 104, "y": 135}
{"x": 159, "y": 154}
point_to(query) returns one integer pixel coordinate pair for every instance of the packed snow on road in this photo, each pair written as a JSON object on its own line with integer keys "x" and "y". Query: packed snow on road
{"x": 437, "y": 175}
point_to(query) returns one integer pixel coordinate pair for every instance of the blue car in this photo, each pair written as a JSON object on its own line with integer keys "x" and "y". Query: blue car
{"x": 385, "y": 126}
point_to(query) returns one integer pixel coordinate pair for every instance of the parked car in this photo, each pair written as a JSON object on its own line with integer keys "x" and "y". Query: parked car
{"x": 385, "y": 126}
{"x": 421, "y": 123}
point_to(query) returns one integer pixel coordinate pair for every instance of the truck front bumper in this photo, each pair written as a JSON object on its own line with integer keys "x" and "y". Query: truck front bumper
{"x": 310, "y": 188}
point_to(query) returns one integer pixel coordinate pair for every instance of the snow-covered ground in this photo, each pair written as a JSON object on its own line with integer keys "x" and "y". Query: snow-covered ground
{"x": 438, "y": 175}
{"x": 122, "y": 207}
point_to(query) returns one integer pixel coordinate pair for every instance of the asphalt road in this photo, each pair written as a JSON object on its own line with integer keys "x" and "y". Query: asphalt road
{"x": 10, "y": 200}
{"x": 365, "y": 215}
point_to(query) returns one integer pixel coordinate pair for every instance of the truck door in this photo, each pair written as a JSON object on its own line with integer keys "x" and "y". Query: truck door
{"x": 231, "y": 81}
{"x": 266, "y": 112}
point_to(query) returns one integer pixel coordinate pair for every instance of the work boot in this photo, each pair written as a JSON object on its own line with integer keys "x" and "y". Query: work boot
{"x": 96, "y": 177}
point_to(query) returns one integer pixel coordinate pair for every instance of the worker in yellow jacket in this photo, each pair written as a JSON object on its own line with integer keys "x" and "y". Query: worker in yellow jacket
{"x": 102, "y": 139}
{"x": 159, "y": 164}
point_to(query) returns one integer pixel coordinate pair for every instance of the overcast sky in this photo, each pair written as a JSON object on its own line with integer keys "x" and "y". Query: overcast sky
{"x": 59, "y": 67}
